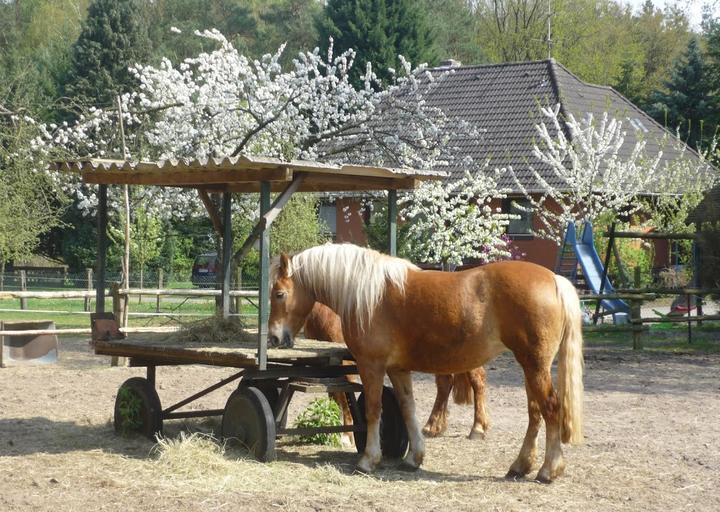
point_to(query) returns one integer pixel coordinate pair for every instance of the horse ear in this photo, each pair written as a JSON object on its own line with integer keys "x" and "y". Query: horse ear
{"x": 284, "y": 265}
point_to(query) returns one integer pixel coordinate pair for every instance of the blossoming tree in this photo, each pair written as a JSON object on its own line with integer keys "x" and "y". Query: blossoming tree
{"x": 590, "y": 175}
{"x": 450, "y": 222}
{"x": 222, "y": 103}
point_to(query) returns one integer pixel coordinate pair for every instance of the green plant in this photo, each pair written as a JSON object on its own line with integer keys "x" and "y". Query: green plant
{"x": 130, "y": 407}
{"x": 322, "y": 412}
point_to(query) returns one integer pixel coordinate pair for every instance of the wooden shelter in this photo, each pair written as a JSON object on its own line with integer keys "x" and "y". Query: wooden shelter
{"x": 241, "y": 174}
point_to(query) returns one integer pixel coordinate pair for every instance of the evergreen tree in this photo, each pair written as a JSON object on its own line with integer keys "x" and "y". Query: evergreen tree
{"x": 114, "y": 36}
{"x": 688, "y": 103}
{"x": 629, "y": 82}
{"x": 379, "y": 30}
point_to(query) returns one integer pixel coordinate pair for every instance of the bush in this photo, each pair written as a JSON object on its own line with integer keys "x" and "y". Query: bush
{"x": 322, "y": 412}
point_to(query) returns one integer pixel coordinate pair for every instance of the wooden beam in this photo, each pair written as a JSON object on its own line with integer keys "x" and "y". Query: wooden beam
{"x": 269, "y": 216}
{"x": 392, "y": 222}
{"x": 315, "y": 183}
{"x": 193, "y": 177}
{"x": 101, "y": 249}
{"x": 212, "y": 211}
{"x": 227, "y": 241}
{"x": 264, "y": 300}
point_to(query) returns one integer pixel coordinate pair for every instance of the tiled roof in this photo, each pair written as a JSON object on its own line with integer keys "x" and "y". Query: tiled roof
{"x": 504, "y": 101}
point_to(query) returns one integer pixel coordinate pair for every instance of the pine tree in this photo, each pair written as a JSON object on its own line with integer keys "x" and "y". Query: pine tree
{"x": 628, "y": 83}
{"x": 688, "y": 104}
{"x": 114, "y": 36}
{"x": 379, "y": 31}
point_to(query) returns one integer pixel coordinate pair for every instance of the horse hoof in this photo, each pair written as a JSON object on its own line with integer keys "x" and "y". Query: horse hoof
{"x": 408, "y": 467}
{"x": 476, "y": 434}
{"x": 361, "y": 471}
{"x": 431, "y": 432}
{"x": 543, "y": 479}
{"x": 514, "y": 475}
{"x": 364, "y": 466}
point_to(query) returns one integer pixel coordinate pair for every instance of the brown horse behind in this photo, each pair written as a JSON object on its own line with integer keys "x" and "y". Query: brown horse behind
{"x": 325, "y": 325}
{"x": 397, "y": 319}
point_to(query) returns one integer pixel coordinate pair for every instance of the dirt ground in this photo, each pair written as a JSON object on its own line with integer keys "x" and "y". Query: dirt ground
{"x": 652, "y": 427}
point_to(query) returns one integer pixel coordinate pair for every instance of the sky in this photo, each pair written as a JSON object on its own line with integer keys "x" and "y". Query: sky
{"x": 692, "y": 7}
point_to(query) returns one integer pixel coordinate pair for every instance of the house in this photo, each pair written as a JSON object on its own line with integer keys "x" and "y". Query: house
{"x": 504, "y": 100}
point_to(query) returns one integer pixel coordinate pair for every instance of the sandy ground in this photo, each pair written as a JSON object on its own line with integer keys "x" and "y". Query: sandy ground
{"x": 652, "y": 431}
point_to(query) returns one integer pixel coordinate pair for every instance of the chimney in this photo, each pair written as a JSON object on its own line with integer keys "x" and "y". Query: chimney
{"x": 450, "y": 63}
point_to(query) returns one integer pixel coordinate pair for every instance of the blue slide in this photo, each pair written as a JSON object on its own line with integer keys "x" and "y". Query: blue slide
{"x": 592, "y": 269}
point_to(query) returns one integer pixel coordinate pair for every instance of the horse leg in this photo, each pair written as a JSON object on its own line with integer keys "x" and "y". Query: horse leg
{"x": 372, "y": 379}
{"x": 526, "y": 459}
{"x": 437, "y": 422}
{"x": 482, "y": 422}
{"x": 554, "y": 464}
{"x": 538, "y": 384}
{"x": 402, "y": 384}
{"x": 347, "y": 439}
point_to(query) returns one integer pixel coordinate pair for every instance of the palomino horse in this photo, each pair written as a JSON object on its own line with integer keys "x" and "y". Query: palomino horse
{"x": 397, "y": 319}
{"x": 324, "y": 324}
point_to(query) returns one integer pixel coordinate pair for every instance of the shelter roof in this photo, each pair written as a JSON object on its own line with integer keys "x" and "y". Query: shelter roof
{"x": 244, "y": 174}
{"x": 504, "y": 101}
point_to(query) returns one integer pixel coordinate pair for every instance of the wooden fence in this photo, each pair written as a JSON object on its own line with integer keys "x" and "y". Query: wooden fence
{"x": 120, "y": 305}
{"x": 636, "y": 298}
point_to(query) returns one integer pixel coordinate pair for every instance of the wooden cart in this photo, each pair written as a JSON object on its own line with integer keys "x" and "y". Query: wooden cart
{"x": 255, "y": 412}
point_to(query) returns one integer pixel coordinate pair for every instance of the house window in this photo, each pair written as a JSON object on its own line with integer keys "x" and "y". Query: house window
{"x": 521, "y": 226}
{"x": 328, "y": 215}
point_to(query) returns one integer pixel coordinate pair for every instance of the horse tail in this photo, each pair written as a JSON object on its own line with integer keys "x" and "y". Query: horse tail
{"x": 462, "y": 390}
{"x": 570, "y": 364}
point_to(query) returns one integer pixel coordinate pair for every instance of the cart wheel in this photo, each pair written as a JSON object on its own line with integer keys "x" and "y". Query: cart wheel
{"x": 137, "y": 408}
{"x": 394, "y": 440}
{"x": 248, "y": 420}
{"x": 270, "y": 389}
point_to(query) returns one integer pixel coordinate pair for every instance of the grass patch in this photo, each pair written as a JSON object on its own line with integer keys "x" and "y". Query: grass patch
{"x": 663, "y": 338}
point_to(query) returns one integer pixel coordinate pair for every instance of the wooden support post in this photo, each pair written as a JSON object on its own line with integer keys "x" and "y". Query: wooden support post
{"x": 267, "y": 218}
{"x": 238, "y": 286}
{"x": 697, "y": 266}
{"x": 635, "y": 318}
{"x": 118, "y": 309}
{"x": 23, "y": 287}
{"x": 264, "y": 299}
{"x": 101, "y": 249}
{"x": 689, "y": 322}
{"x": 160, "y": 287}
{"x": 227, "y": 253}
{"x": 89, "y": 286}
{"x": 392, "y": 222}
{"x": 636, "y": 313}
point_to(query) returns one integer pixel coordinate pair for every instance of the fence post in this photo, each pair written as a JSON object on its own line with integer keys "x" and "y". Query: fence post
{"x": 160, "y": 285}
{"x": 89, "y": 272}
{"x": 238, "y": 286}
{"x": 23, "y": 287}
{"x": 636, "y": 313}
{"x": 117, "y": 312}
{"x": 2, "y": 344}
{"x": 637, "y": 326}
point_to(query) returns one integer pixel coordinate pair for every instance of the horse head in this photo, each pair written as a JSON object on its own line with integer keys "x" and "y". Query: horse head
{"x": 290, "y": 304}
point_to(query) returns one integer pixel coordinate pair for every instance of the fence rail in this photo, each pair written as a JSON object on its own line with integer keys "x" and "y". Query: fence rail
{"x": 121, "y": 302}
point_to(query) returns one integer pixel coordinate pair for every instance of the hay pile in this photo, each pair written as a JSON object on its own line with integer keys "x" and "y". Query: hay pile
{"x": 214, "y": 330}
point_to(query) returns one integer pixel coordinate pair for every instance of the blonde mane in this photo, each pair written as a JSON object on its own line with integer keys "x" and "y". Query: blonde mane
{"x": 351, "y": 280}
